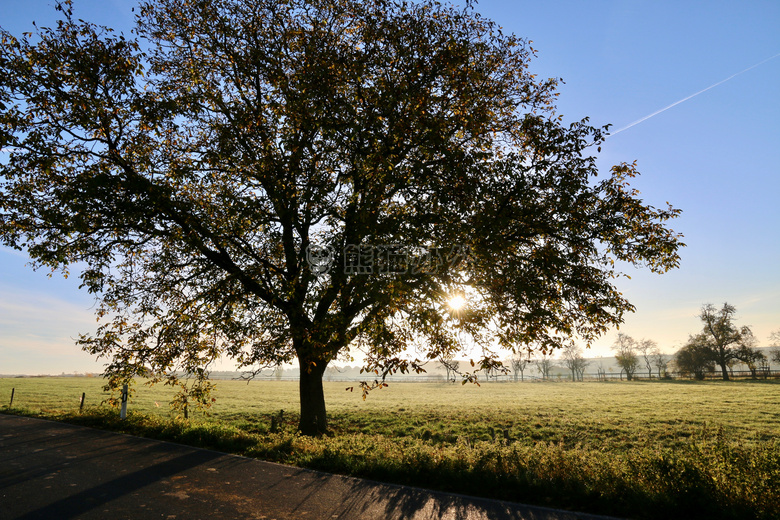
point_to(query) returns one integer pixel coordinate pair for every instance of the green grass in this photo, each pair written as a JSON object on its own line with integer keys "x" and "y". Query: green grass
{"x": 638, "y": 450}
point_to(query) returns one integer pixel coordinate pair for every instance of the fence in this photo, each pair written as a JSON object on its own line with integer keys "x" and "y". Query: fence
{"x": 759, "y": 374}
{"x": 510, "y": 378}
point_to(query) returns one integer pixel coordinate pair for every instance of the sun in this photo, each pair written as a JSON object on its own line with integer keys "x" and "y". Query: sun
{"x": 457, "y": 302}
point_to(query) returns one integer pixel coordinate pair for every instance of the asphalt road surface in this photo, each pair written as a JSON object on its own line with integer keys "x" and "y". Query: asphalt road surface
{"x": 51, "y": 470}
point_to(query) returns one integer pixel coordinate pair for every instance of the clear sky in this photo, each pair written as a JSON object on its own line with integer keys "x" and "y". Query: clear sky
{"x": 716, "y": 156}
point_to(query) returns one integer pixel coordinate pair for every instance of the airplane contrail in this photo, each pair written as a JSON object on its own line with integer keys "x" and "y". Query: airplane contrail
{"x": 664, "y": 109}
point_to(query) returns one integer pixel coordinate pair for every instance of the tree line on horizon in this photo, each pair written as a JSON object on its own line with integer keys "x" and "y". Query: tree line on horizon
{"x": 720, "y": 344}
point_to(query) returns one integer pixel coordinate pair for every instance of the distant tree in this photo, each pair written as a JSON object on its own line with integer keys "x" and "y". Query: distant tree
{"x": 601, "y": 371}
{"x": 572, "y": 358}
{"x": 332, "y": 371}
{"x": 646, "y": 347}
{"x": 625, "y": 349}
{"x": 774, "y": 341}
{"x": 765, "y": 367}
{"x": 275, "y": 180}
{"x": 569, "y": 353}
{"x": 721, "y": 338}
{"x": 694, "y": 358}
{"x": 544, "y": 364}
{"x": 496, "y": 372}
{"x": 519, "y": 361}
{"x": 580, "y": 368}
{"x": 660, "y": 362}
{"x": 751, "y": 357}
{"x": 450, "y": 366}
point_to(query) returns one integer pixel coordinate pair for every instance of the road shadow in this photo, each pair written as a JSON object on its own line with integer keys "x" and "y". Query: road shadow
{"x": 97, "y": 496}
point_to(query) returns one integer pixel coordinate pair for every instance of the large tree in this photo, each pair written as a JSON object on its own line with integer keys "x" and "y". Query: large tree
{"x": 270, "y": 180}
{"x": 723, "y": 339}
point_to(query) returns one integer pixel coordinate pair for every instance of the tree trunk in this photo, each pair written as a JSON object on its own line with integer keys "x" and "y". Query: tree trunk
{"x": 314, "y": 420}
{"x": 725, "y": 372}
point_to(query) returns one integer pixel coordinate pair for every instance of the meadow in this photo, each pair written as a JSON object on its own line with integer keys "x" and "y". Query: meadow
{"x": 636, "y": 450}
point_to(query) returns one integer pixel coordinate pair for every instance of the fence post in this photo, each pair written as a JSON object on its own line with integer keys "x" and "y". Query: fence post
{"x": 123, "y": 411}
{"x": 12, "y": 398}
{"x": 81, "y": 404}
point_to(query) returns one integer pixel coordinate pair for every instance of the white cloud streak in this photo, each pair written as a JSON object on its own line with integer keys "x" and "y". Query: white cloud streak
{"x": 664, "y": 109}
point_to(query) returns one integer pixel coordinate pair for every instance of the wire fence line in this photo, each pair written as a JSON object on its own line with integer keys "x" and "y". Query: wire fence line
{"x": 759, "y": 374}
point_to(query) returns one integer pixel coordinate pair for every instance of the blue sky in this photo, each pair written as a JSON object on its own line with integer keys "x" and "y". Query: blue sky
{"x": 716, "y": 156}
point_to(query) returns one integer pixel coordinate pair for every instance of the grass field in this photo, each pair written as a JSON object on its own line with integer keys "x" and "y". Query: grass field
{"x": 639, "y": 450}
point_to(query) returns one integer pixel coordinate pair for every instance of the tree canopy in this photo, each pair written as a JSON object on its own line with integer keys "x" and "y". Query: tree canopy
{"x": 269, "y": 180}
{"x": 722, "y": 340}
{"x": 694, "y": 358}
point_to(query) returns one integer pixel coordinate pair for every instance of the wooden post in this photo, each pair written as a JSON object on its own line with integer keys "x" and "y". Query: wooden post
{"x": 12, "y": 398}
{"x": 123, "y": 411}
{"x": 81, "y": 404}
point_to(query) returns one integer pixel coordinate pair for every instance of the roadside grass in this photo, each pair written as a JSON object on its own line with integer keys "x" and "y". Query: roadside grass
{"x": 635, "y": 450}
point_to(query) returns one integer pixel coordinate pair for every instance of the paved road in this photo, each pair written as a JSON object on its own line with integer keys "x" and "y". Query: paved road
{"x": 51, "y": 470}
